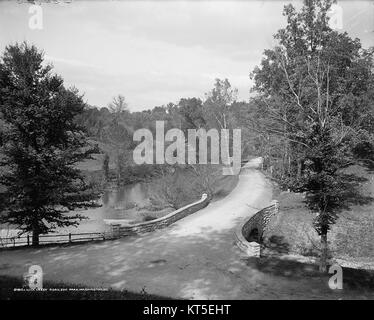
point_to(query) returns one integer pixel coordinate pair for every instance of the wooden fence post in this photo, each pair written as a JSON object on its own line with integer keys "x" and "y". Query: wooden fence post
{"x": 69, "y": 237}
{"x": 28, "y": 240}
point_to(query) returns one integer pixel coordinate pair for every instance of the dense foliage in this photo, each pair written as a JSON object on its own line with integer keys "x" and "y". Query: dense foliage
{"x": 314, "y": 108}
{"x": 41, "y": 143}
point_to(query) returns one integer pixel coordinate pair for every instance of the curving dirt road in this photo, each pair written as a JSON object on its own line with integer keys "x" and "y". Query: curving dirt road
{"x": 195, "y": 258}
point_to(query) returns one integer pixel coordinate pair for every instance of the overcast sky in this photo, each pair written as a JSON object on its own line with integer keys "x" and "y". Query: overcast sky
{"x": 158, "y": 52}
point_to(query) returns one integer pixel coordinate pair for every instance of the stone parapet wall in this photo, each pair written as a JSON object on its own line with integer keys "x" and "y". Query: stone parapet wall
{"x": 258, "y": 224}
{"x": 123, "y": 228}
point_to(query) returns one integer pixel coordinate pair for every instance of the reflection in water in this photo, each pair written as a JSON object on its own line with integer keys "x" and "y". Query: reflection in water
{"x": 135, "y": 193}
{"x": 118, "y": 203}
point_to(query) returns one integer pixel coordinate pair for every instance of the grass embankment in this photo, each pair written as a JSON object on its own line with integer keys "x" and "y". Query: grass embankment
{"x": 62, "y": 291}
{"x": 351, "y": 239}
{"x": 289, "y": 279}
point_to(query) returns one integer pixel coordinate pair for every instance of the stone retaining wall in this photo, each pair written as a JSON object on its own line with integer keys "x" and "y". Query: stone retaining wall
{"x": 123, "y": 228}
{"x": 254, "y": 228}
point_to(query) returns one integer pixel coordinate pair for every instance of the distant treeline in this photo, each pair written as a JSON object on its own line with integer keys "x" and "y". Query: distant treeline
{"x": 112, "y": 127}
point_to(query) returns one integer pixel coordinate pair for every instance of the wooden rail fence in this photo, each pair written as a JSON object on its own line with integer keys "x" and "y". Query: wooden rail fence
{"x": 26, "y": 240}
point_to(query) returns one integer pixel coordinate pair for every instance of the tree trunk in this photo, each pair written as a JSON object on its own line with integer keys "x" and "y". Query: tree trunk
{"x": 324, "y": 251}
{"x": 106, "y": 167}
{"x": 35, "y": 237}
{"x": 299, "y": 168}
{"x": 119, "y": 168}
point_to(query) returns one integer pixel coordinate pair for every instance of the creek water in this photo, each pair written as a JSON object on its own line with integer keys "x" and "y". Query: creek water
{"x": 117, "y": 203}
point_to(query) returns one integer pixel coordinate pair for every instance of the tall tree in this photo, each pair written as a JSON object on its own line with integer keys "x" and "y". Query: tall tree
{"x": 41, "y": 145}
{"x": 217, "y": 104}
{"x": 118, "y": 105}
{"x": 313, "y": 97}
{"x": 191, "y": 110}
{"x": 117, "y": 133}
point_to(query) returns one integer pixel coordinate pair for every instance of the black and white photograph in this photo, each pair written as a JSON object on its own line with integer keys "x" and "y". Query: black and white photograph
{"x": 191, "y": 151}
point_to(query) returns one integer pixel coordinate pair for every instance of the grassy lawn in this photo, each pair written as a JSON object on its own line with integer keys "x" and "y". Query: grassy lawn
{"x": 350, "y": 239}
{"x": 63, "y": 291}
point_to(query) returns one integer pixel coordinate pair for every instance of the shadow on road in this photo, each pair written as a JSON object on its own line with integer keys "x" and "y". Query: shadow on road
{"x": 354, "y": 280}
